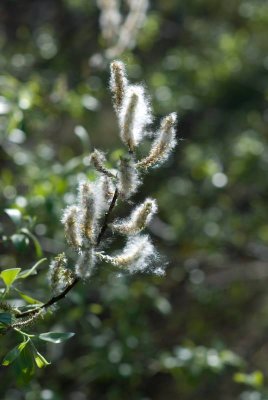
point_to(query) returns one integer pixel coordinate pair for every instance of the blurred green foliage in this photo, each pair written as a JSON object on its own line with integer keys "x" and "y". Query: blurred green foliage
{"x": 190, "y": 334}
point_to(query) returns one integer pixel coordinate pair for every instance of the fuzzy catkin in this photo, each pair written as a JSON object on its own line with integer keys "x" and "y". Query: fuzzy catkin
{"x": 108, "y": 188}
{"x": 134, "y": 116}
{"x": 85, "y": 264}
{"x": 128, "y": 120}
{"x": 163, "y": 144}
{"x": 118, "y": 84}
{"x": 136, "y": 256}
{"x": 86, "y": 201}
{"x": 128, "y": 30}
{"x": 128, "y": 178}
{"x": 102, "y": 192}
{"x": 86, "y": 221}
{"x": 59, "y": 276}
{"x": 98, "y": 160}
{"x": 70, "y": 222}
{"x": 110, "y": 18}
{"x": 138, "y": 219}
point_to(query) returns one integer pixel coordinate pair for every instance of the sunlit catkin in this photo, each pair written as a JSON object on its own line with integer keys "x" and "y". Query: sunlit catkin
{"x": 98, "y": 160}
{"x": 110, "y": 19}
{"x": 88, "y": 222}
{"x": 136, "y": 255}
{"x": 138, "y": 219}
{"x": 85, "y": 264}
{"x": 70, "y": 222}
{"x": 134, "y": 116}
{"x": 118, "y": 84}
{"x": 129, "y": 28}
{"x": 164, "y": 143}
{"x": 128, "y": 178}
{"x": 86, "y": 201}
{"x": 59, "y": 276}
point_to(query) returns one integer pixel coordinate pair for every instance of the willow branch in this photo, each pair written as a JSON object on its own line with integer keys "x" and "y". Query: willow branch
{"x": 50, "y": 302}
{"x": 60, "y": 296}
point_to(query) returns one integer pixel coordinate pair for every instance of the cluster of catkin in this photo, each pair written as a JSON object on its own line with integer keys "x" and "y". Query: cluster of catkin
{"x": 86, "y": 221}
{"x": 120, "y": 31}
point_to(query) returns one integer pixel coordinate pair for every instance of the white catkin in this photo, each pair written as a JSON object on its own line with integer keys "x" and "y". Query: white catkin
{"x": 163, "y": 144}
{"x": 87, "y": 206}
{"x": 138, "y": 219}
{"x": 82, "y": 221}
{"x": 134, "y": 116}
{"x": 128, "y": 178}
{"x": 59, "y": 276}
{"x": 130, "y": 28}
{"x": 71, "y": 228}
{"x": 102, "y": 192}
{"x": 85, "y": 264}
{"x": 107, "y": 188}
{"x": 118, "y": 83}
{"x": 137, "y": 255}
{"x": 110, "y": 19}
{"x": 98, "y": 159}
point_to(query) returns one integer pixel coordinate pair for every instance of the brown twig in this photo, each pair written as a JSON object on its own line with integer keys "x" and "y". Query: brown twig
{"x": 50, "y": 302}
{"x": 106, "y": 217}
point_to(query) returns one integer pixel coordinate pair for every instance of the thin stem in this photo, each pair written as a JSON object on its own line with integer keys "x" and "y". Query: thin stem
{"x": 50, "y": 302}
{"x": 4, "y": 293}
{"x": 24, "y": 333}
{"x": 106, "y": 217}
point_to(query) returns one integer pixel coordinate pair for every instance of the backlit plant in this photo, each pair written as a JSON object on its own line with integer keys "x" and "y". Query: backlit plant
{"x": 89, "y": 222}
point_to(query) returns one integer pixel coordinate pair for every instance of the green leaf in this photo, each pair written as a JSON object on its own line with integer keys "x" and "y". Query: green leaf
{"x": 9, "y": 275}
{"x": 24, "y": 366}
{"x": 38, "y": 248}
{"x": 56, "y": 337}
{"x": 5, "y": 318}
{"x": 14, "y": 215}
{"x": 255, "y": 379}
{"x": 40, "y": 360}
{"x": 31, "y": 271}
{"x": 28, "y": 299}
{"x": 13, "y": 354}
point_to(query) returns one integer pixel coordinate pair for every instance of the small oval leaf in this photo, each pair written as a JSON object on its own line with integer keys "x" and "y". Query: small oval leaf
{"x": 40, "y": 360}
{"x": 56, "y": 337}
{"x": 13, "y": 354}
{"x": 9, "y": 275}
{"x": 28, "y": 299}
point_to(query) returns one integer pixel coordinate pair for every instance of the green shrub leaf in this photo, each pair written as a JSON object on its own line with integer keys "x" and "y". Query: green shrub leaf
{"x": 9, "y": 275}
{"x": 28, "y": 299}
{"x": 13, "y": 354}
{"x": 40, "y": 360}
{"x": 56, "y": 337}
